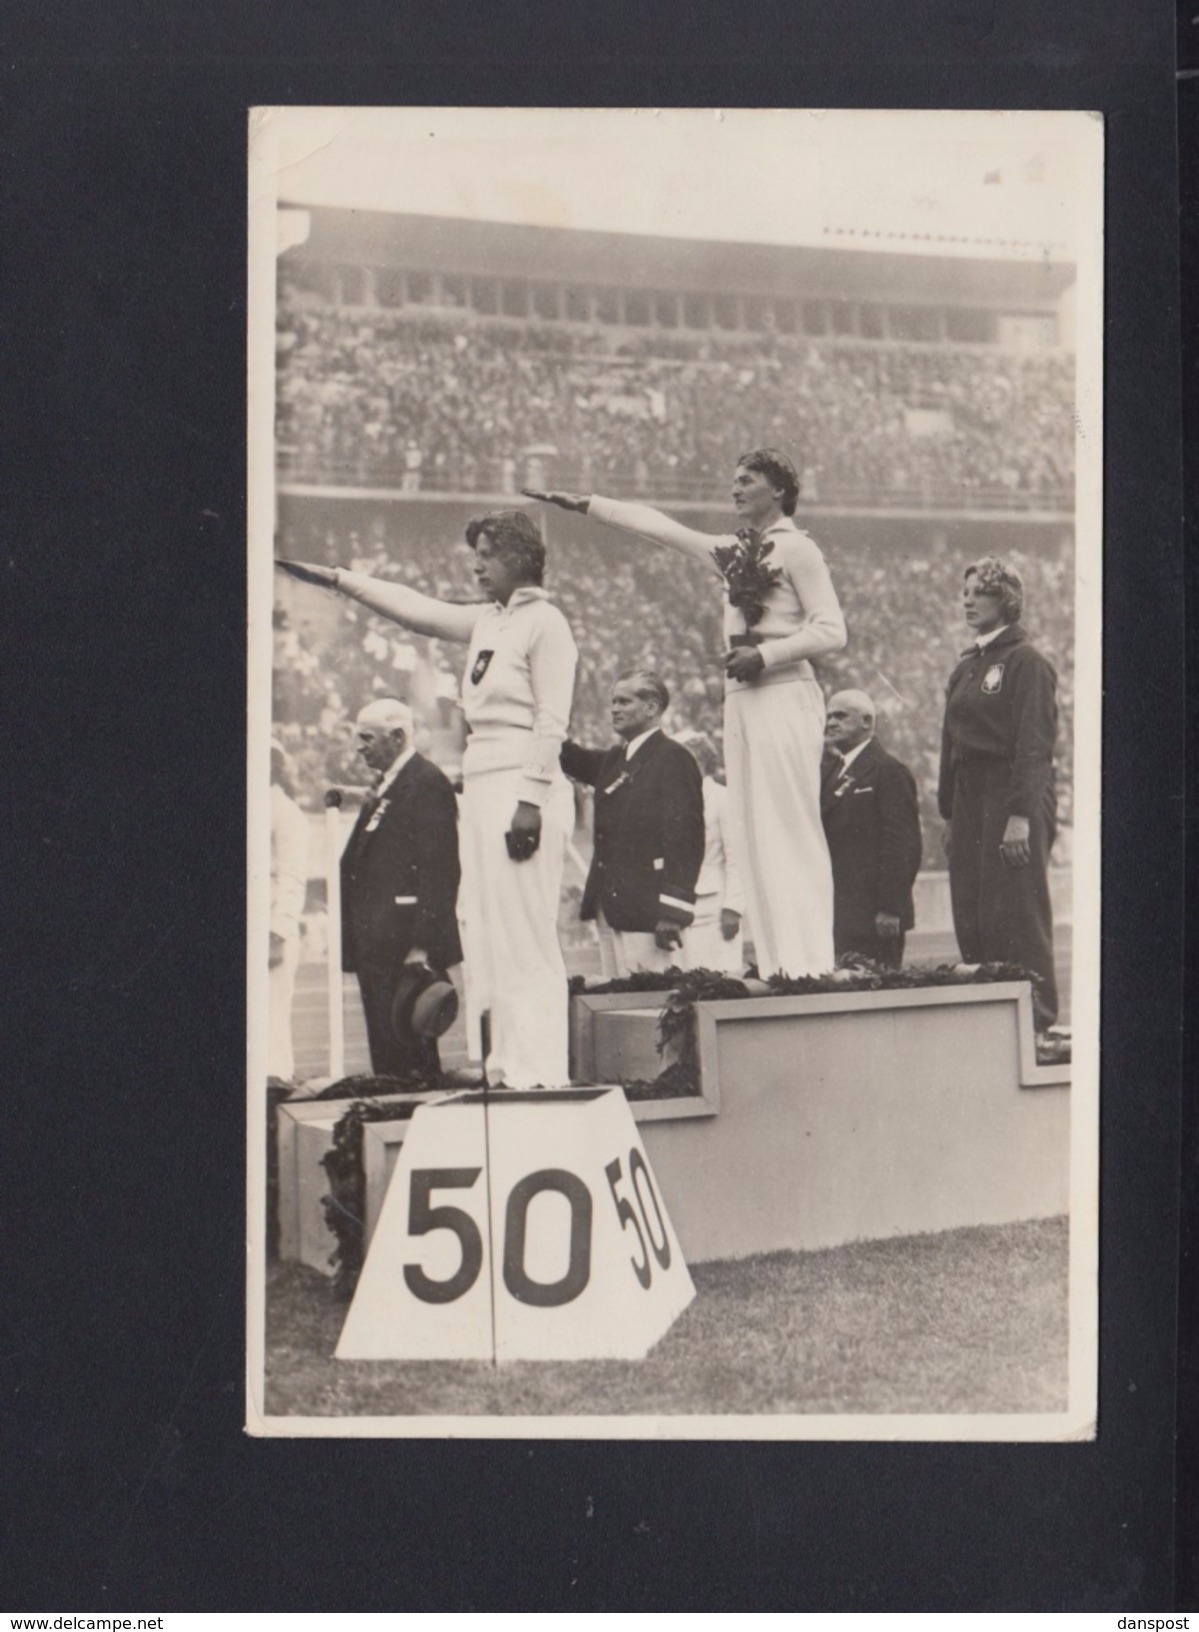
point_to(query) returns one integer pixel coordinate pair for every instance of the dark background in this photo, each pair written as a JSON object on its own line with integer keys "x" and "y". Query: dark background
{"x": 1188, "y": 1312}
{"x": 130, "y": 1484}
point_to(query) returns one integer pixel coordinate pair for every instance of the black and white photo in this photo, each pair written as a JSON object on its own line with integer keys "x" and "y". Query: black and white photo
{"x": 675, "y": 575}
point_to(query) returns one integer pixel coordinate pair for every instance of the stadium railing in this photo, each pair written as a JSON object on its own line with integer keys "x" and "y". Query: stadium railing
{"x": 393, "y": 478}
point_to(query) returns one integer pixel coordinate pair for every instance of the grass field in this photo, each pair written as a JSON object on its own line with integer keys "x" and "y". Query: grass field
{"x": 964, "y": 1321}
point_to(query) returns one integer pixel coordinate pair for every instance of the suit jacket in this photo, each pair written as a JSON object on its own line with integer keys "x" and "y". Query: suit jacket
{"x": 400, "y": 872}
{"x": 649, "y": 832}
{"x": 872, "y": 823}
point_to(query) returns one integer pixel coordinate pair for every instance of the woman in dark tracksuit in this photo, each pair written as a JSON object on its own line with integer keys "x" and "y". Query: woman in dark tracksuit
{"x": 996, "y": 790}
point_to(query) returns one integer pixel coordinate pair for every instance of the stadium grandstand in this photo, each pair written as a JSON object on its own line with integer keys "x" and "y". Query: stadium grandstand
{"x": 427, "y": 368}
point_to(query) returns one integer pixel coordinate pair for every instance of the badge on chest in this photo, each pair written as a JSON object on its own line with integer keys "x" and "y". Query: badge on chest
{"x": 479, "y": 667}
{"x": 992, "y": 680}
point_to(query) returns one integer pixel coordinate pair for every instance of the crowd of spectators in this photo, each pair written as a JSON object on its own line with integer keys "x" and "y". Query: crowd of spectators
{"x": 456, "y": 403}
{"x": 633, "y": 606}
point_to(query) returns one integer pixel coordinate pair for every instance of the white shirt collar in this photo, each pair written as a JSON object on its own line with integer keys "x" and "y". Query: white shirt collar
{"x": 522, "y": 596}
{"x": 848, "y": 759}
{"x": 393, "y": 770}
{"x": 630, "y": 748}
{"x": 985, "y": 640}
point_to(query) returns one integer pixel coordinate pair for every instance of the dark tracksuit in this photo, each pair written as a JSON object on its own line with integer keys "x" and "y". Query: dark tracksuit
{"x": 997, "y": 761}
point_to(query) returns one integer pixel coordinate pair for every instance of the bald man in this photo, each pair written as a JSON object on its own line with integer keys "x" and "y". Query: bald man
{"x": 399, "y": 882}
{"x": 872, "y": 823}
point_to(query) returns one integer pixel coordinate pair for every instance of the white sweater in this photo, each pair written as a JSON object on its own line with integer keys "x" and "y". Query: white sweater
{"x": 520, "y": 672}
{"x": 803, "y": 617}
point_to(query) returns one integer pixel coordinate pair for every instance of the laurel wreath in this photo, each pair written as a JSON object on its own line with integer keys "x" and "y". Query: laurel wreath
{"x": 748, "y": 576}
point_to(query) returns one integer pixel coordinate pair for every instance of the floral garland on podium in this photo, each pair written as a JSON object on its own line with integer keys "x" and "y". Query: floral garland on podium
{"x": 685, "y": 988}
{"x": 345, "y": 1205}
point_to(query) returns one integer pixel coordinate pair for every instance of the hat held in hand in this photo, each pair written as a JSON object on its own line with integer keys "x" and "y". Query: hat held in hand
{"x": 425, "y": 1004}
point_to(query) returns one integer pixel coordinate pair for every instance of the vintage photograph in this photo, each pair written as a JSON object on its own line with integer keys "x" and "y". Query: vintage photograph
{"x": 675, "y": 577}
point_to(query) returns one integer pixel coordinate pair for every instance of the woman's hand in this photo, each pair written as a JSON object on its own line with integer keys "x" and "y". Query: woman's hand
{"x": 524, "y": 836}
{"x": 744, "y": 663}
{"x": 564, "y": 501}
{"x": 667, "y": 936}
{"x": 309, "y": 572}
{"x": 1014, "y": 846}
{"x": 730, "y": 923}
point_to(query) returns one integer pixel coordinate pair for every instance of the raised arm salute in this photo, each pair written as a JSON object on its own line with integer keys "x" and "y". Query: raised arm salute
{"x": 781, "y": 611}
{"x": 517, "y": 809}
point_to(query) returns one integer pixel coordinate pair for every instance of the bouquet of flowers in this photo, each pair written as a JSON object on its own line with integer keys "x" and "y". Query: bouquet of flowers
{"x": 748, "y": 576}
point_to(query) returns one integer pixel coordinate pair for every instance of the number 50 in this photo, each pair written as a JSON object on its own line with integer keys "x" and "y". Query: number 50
{"x": 423, "y": 1218}
{"x": 643, "y": 1187}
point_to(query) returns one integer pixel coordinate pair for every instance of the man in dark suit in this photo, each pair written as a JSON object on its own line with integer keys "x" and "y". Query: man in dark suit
{"x": 649, "y": 831}
{"x": 872, "y": 823}
{"x": 399, "y": 885}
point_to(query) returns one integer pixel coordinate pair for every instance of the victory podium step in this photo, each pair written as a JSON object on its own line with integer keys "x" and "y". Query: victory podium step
{"x": 626, "y": 1045}
{"x": 519, "y": 1226}
{"x": 304, "y": 1137}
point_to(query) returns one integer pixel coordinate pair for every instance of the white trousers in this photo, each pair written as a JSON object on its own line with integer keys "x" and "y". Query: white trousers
{"x": 509, "y": 912}
{"x": 280, "y": 1060}
{"x": 773, "y": 739}
{"x": 625, "y": 952}
{"x": 704, "y": 947}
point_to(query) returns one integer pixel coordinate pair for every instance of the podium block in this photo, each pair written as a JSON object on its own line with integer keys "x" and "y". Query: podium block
{"x": 519, "y": 1226}
{"x": 304, "y": 1137}
{"x": 317, "y": 1243}
{"x": 626, "y": 1045}
{"x": 865, "y": 1116}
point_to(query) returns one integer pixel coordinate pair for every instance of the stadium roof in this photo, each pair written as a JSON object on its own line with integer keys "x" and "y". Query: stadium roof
{"x": 627, "y": 260}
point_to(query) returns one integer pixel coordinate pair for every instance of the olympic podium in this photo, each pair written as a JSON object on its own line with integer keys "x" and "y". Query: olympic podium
{"x": 304, "y": 1137}
{"x": 519, "y": 1226}
{"x": 835, "y": 1117}
{"x": 816, "y": 1120}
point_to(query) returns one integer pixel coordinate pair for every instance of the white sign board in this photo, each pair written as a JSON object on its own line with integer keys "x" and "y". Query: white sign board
{"x": 519, "y": 1226}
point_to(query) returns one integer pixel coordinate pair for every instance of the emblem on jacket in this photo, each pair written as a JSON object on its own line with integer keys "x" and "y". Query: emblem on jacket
{"x": 992, "y": 680}
{"x": 480, "y": 667}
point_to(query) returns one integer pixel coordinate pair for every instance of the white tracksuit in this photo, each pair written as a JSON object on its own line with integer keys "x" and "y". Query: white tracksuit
{"x": 773, "y": 739}
{"x": 516, "y": 696}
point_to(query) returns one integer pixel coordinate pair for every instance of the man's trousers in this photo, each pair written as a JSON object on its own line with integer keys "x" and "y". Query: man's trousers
{"x": 625, "y": 952}
{"x": 704, "y": 947}
{"x": 391, "y": 1055}
{"x": 282, "y": 991}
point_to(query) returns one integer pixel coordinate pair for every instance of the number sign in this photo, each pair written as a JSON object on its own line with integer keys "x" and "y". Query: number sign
{"x": 519, "y": 1226}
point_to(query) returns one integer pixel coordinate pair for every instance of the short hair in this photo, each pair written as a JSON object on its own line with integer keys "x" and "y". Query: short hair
{"x": 702, "y": 750}
{"x": 514, "y": 536}
{"x": 647, "y": 684}
{"x": 1004, "y": 582}
{"x": 390, "y": 713}
{"x": 778, "y": 471}
{"x": 860, "y": 701}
